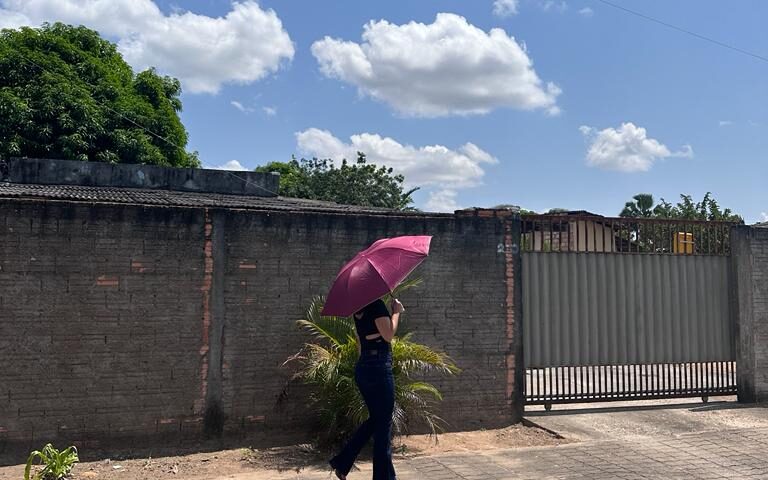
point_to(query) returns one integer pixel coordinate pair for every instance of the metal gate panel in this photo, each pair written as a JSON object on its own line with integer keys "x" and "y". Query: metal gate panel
{"x": 605, "y": 309}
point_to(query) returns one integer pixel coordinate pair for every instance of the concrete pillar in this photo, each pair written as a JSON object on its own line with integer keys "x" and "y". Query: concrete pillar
{"x": 749, "y": 255}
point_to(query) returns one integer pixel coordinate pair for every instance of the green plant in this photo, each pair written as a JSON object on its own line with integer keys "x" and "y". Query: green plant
{"x": 56, "y": 464}
{"x": 351, "y": 183}
{"x": 328, "y": 366}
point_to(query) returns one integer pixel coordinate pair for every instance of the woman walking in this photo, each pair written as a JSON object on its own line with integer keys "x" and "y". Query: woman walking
{"x": 375, "y": 329}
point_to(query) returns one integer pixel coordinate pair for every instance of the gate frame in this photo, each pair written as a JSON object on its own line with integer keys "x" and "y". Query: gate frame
{"x": 516, "y": 226}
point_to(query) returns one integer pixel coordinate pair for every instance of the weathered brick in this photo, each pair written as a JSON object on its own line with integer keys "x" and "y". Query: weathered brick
{"x": 105, "y": 334}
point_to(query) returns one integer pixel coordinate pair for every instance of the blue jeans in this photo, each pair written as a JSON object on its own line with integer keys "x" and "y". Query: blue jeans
{"x": 373, "y": 375}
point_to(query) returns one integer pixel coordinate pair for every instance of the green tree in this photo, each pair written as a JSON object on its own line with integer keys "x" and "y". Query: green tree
{"x": 327, "y": 365}
{"x": 640, "y": 206}
{"x": 649, "y": 237}
{"x": 358, "y": 183}
{"x": 67, "y": 93}
{"x": 707, "y": 209}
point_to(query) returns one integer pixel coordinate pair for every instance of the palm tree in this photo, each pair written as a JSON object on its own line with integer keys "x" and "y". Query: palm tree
{"x": 641, "y": 206}
{"x": 328, "y": 366}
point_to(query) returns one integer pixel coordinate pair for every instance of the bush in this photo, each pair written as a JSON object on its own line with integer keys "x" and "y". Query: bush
{"x": 56, "y": 465}
{"x": 328, "y": 365}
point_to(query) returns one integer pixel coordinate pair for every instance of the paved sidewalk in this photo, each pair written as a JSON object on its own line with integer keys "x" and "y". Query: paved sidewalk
{"x": 733, "y": 454}
{"x": 729, "y": 454}
{"x": 655, "y": 419}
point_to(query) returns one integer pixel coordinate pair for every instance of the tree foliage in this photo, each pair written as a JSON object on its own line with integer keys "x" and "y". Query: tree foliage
{"x": 352, "y": 183}
{"x": 67, "y": 93}
{"x": 683, "y": 234}
{"x": 643, "y": 206}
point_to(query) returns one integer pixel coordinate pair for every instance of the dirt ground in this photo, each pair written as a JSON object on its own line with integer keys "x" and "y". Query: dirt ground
{"x": 271, "y": 462}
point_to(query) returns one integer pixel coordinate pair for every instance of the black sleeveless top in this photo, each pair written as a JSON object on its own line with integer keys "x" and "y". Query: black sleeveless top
{"x": 366, "y": 325}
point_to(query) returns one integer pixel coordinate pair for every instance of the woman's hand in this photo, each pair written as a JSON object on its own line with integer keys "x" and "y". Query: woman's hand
{"x": 396, "y": 306}
{"x": 387, "y": 326}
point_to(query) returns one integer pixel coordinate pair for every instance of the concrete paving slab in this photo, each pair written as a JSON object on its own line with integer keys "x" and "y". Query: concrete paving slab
{"x": 657, "y": 418}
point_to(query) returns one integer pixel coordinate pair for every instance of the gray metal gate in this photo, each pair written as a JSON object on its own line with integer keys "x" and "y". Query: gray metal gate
{"x": 617, "y": 309}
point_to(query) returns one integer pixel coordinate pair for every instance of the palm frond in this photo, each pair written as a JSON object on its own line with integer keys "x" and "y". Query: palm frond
{"x": 413, "y": 358}
{"x": 405, "y": 285}
{"x": 424, "y": 387}
{"x": 333, "y": 329}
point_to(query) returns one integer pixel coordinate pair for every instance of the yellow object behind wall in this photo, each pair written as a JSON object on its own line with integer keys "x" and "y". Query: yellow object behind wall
{"x": 683, "y": 243}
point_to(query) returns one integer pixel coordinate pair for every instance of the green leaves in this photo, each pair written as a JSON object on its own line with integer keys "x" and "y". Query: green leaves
{"x": 416, "y": 359}
{"x": 67, "y": 93}
{"x": 358, "y": 183}
{"x": 333, "y": 329}
{"x": 56, "y": 465}
{"x": 707, "y": 209}
{"x": 640, "y": 206}
{"x": 328, "y": 366}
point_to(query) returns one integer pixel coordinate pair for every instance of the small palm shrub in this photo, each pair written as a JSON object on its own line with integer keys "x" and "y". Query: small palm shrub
{"x": 56, "y": 465}
{"x": 328, "y": 366}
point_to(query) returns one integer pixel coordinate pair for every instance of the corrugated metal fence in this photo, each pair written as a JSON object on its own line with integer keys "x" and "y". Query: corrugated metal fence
{"x": 617, "y": 308}
{"x": 609, "y": 309}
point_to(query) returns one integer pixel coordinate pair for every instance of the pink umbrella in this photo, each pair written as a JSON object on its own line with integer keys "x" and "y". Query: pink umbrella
{"x": 374, "y": 272}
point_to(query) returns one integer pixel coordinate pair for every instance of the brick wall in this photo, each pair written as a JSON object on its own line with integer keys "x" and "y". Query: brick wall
{"x": 750, "y": 274}
{"x": 99, "y": 321}
{"x": 120, "y": 321}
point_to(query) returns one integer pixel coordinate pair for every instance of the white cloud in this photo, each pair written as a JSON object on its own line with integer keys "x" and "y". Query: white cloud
{"x": 204, "y": 52}
{"x": 627, "y": 149}
{"x": 442, "y": 201}
{"x": 270, "y": 111}
{"x": 241, "y": 107}
{"x": 508, "y": 8}
{"x": 430, "y": 165}
{"x": 686, "y": 152}
{"x": 552, "y": 5}
{"x": 586, "y": 12}
{"x": 765, "y": 216}
{"x": 505, "y": 8}
{"x": 111, "y": 17}
{"x": 725, "y": 123}
{"x": 448, "y": 67}
{"x": 11, "y": 19}
{"x": 440, "y": 170}
{"x": 232, "y": 165}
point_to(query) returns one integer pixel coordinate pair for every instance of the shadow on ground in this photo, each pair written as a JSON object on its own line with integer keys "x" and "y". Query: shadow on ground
{"x": 294, "y": 458}
{"x": 712, "y": 406}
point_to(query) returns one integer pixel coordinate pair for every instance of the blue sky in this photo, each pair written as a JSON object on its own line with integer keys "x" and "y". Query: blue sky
{"x": 567, "y": 104}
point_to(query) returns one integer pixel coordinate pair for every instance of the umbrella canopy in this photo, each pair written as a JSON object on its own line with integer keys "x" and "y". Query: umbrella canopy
{"x": 374, "y": 272}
